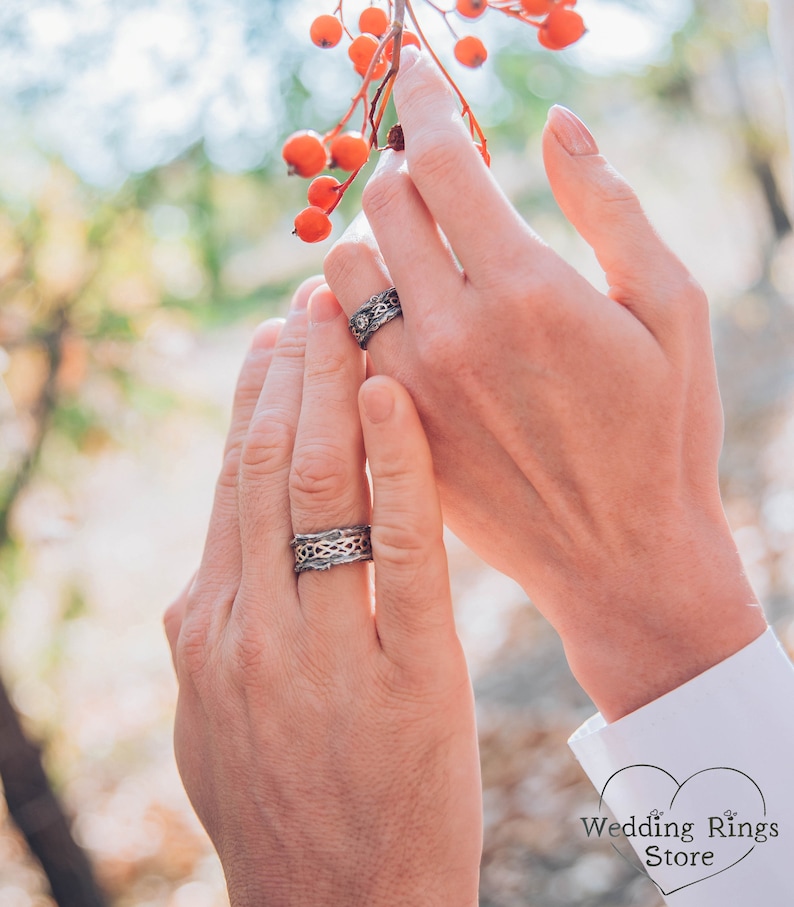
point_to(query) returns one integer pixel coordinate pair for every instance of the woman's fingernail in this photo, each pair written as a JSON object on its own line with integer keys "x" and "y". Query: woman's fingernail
{"x": 408, "y": 56}
{"x": 571, "y": 132}
{"x": 378, "y": 400}
{"x": 386, "y": 159}
{"x": 323, "y": 306}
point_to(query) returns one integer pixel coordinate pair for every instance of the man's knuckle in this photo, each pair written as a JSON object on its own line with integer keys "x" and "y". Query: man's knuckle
{"x": 319, "y": 474}
{"x": 267, "y": 445}
{"x": 245, "y": 397}
{"x": 324, "y": 370}
{"x": 398, "y": 545}
{"x": 249, "y": 658}
{"x": 230, "y": 468}
{"x": 292, "y": 345}
{"x": 193, "y": 651}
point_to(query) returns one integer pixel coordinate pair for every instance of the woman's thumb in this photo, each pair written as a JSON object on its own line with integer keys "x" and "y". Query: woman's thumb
{"x": 642, "y": 273}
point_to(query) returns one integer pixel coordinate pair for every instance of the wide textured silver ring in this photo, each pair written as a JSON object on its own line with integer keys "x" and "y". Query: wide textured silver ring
{"x": 323, "y": 550}
{"x": 376, "y": 311}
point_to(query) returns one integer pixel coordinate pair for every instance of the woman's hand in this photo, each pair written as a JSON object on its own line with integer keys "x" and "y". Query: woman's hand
{"x": 575, "y": 434}
{"x": 326, "y": 738}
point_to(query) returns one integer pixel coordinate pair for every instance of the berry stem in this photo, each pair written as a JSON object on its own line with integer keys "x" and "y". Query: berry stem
{"x": 394, "y": 33}
{"x": 341, "y": 191}
{"x": 379, "y": 103}
{"x": 514, "y": 11}
{"x": 382, "y": 95}
{"x": 398, "y": 23}
{"x": 339, "y": 12}
{"x": 446, "y": 14}
{"x": 361, "y": 96}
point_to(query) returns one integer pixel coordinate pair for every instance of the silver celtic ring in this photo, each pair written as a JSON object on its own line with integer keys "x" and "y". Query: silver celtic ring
{"x": 323, "y": 550}
{"x": 376, "y": 311}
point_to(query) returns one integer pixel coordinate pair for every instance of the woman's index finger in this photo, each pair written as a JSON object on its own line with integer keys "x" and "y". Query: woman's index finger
{"x": 450, "y": 174}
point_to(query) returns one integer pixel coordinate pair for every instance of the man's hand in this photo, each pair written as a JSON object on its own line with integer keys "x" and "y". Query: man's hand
{"x": 575, "y": 435}
{"x": 326, "y": 739}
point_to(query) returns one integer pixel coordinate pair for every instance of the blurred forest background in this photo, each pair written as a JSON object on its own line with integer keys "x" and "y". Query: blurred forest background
{"x": 145, "y": 222}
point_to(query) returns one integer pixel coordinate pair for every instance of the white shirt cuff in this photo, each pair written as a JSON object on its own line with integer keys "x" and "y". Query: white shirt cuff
{"x": 721, "y": 743}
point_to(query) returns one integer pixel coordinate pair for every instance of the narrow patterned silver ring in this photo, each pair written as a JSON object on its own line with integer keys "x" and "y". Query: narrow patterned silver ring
{"x": 323, "y": 550}
{"x": 376, "y": 311}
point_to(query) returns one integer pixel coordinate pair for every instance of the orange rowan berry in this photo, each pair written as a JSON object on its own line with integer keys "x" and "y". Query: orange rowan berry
{"x": 373, "y": 21}
{"x": 470, "y": 51}
{"x": 326, "y": 31}
{"x": 362, "y": 50}
{"x": 312, "y": 224}
{"x": 304, "y": 153}
{"x": 409, "y": 39}
{"x": 561, "y": 27}
{"x": 537, "y": 7}
{"x": 349, "y": 151}
{"x": 323, "y": 192}
{"x": 378, "y": 70}
{"x": 471, "y": 9}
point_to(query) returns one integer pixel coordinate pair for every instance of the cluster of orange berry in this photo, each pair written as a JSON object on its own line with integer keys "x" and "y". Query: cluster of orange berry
{"x": 558, "y": 25}
{"x": 375, "y": 55}
{"x": 307, "y": 154}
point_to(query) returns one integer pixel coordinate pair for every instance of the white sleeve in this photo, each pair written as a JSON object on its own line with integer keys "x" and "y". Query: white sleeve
{"x": 706, "y": 769}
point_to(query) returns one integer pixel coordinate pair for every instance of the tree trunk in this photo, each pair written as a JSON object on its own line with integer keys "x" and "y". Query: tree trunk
{"x": 34, "y": 807}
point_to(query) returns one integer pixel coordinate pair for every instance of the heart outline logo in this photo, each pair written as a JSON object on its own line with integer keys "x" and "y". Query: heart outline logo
{"x": 679, "y": 786}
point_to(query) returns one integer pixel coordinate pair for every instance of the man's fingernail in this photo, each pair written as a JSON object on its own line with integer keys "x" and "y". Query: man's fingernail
{"x": 378, "y": 400}
{"x": 266, "y": 334}
{"x": 323, "y": 306}
{"x": 571, "y": 132}
{"x": 300, "y": 301}
{"x": 301, "y": 296}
